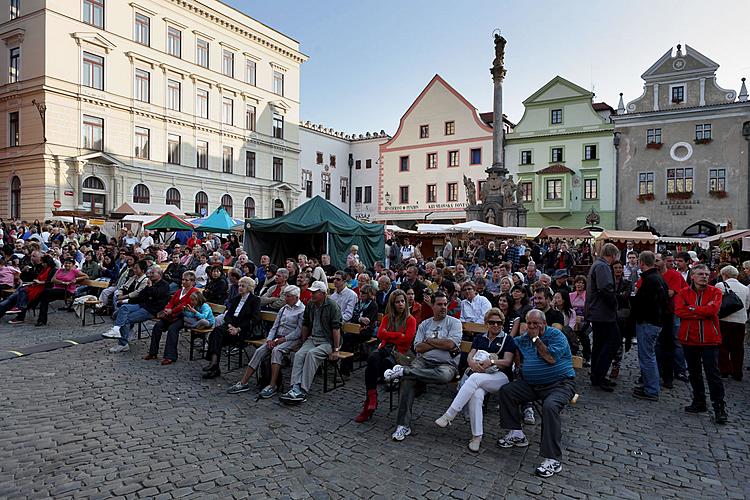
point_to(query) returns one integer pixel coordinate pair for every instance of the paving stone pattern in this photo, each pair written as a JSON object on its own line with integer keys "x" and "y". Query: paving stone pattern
{"x": 82, "y": 423}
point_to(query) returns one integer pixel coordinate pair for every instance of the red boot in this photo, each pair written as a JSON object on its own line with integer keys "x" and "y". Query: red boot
{"x": 369, "y": 407}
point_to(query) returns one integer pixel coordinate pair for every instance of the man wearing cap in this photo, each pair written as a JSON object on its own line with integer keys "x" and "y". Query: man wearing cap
{"x": 320, "y": 337}
{"x": 560, "y": 283}
{"x": 282, "y": 339}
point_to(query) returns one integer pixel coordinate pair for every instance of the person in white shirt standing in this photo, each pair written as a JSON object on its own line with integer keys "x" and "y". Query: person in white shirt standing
{"x": 147, "y": 240}
{"x": 474, "y": 306}
{"x": 344, "y": 297}
{"x": 407, "y": 250}
{"x": 732, "y": 350}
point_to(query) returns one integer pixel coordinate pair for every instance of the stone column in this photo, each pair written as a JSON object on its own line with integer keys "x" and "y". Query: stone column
{"x": 498, "y": 132}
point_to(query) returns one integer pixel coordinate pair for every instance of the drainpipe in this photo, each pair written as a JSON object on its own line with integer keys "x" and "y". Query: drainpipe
{"x": 351, "y": 182}
{"x": 616, "y": 142}
{"x": 746, "y": 135}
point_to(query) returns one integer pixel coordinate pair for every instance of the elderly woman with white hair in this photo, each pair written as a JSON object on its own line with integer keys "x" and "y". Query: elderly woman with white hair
{"x": 732, "y": 350}
{"x": 353, "y": 258}
{"x": 241, "y": 316}
{"x": 283, "y": 338}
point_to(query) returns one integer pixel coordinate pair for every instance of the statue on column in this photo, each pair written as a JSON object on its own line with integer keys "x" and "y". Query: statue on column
{"x": 508, "y": 191}
{"x": 471, "y": 192}
{"x": 498, "y": 70}
{"x": 519, "y": 193}
{"x": 490, "y": 217}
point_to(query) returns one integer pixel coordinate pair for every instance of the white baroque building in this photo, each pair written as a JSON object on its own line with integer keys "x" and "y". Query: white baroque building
{"x": 181, "y": 102}
{"x": 342, "y": 168}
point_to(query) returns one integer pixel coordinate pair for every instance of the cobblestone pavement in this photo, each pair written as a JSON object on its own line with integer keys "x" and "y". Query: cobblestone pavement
{"x": 80, "y": 422}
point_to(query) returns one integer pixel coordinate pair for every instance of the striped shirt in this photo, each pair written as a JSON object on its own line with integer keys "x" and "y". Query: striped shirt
{"x": 535, "y": 370}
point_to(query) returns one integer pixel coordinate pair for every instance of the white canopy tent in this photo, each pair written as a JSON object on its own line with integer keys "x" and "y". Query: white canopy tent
{"x": 479, "y": 227}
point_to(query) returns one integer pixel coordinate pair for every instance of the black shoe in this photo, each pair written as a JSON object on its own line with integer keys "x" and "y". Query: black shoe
{"x": 213, "y": 373}
{"x": 720, "y": 414}
{"x": 696, "y": 407}
{"x": 639, "y": 393}
{"x": 682, "y": 377}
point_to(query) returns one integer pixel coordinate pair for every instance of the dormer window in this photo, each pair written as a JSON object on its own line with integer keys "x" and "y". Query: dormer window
{"x": 678, "y": 94}
{"x": 424, "y": 131}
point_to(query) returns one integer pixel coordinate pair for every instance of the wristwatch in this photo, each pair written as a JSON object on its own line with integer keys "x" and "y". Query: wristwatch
{"x": 337, "y": 349}
{"x": 533, "y": 341}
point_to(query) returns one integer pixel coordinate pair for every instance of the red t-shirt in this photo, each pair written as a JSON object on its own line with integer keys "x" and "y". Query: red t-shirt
{"x": 305, "y": 296}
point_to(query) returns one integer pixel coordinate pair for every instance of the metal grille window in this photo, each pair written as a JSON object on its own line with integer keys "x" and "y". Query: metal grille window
{"x": 173, "y": 149}
{"x": 646, "y": 183}
{"x": 142, "y": 29}
{"x": 141, "y": 194}
{"x": 201, "y": 53}
{"x": 679, "y": 180}
{"x": 201, "y": 154}
{"x": 590, "y": 189}
{"x": 227, "y": 159}
{"x": 717, "y": 179}
{"x": 173, "y": 197}
{"x": 93, "y": 71}
{"x": 249, "y": 164}
{"x": 142, "y": 142}
{"x": 142, "y": 85}
{"x": 174, "y": 91}
{"x": 93, "y": 12}
{"x": 554, "y": 189}
{"x": 653, "y": 136}
{"x": 92, "y": 132}
{"x": 174, "y": 42}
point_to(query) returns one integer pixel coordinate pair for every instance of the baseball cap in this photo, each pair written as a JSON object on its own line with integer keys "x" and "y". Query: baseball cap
{"x": 318, "y": 286}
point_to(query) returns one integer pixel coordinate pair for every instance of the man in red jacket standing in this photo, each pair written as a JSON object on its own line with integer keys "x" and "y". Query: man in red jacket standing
{"x": 698, "y": 310}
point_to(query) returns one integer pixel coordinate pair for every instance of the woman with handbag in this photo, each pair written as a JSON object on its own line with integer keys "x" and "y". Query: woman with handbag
{"x": 732, "y": 320}
{"x": 490, "y": 368}
{"x": 396, "y": 334}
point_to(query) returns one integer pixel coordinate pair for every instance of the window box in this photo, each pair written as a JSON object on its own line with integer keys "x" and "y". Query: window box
{"x": 677, "y": 101}
{"x": 683, "y": 195}
{"x": 703, "y": 141}
{"x": 718, "y": 194}
{"x": 642, "y": 198}
{"x": 654, "y": 145}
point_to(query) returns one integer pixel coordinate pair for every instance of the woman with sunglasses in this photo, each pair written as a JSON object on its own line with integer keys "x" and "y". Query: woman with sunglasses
{"x": 486, "y": 376}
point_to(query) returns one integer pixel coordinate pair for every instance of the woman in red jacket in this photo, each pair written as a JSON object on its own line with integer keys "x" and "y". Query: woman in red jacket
{"x": 698, "y": 309}
{"x": 170, "y": 319}
{"x": 396, "y": 333}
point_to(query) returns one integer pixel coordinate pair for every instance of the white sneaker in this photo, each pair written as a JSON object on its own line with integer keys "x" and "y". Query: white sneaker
{"x": 401, "y": 433}
{"x": 548, "y": 468}
{"x": 528, "y": 416}
{"x": 120, "y": 348}
{"x": 393, "y": 373}
{"x": 112, "y": 333}
{"x": 475, "y": 443}
{"x": 444, "y": 421}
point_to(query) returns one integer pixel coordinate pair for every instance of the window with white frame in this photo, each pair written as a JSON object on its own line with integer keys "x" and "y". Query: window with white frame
{"x": 201, "y": 53}
{"x": 678, "y": 93}
{"x": 554, "y": 189}
{"x": 432, "y": 161}
{"x": 717, "y": 180}
{"x": 173, "y": 149}
{"x": 92, "y": 133}
{"x": 589, "y": 152}
{"x": 93, "y": 71}
{"x": 590, "y": 189}
{"x": 556, "y": 154}
{"x": 227, "y": 111}
{"x": 201, "y": 154}
{"x": 142, "y": 30}
{"x": 431, "y": 192}
{"x": 679, "y": 180}
{"x": 452, "y": 158}
{"x": 93, "y": 12}
{"x": 278, "y": 126}
{"x": 528, "y": 191}
{"x": 703, "y": 132}
{"x": 653, "y": 136}
{"x": 452, "y": 191}
{"x": 142, "y": 137}
{"x": 201, "y": 103}
{"x": 14, "y": 65}
{"x": 227, "y": 63}
{"x": 526, "y": 157}
{"x": 227, "y": 160}
{"x": 645, "y": 183}
{"x": 403, "y": 195}
{"x": 174, "y": 95}
{"x": 142, "y": 85}
{"x": 250, "y": 71}
{"x": 250, "y": 117}
{"x": 278, "y": 83}
{"x": 556, "y": 116}
{"x": 174, "y": 41}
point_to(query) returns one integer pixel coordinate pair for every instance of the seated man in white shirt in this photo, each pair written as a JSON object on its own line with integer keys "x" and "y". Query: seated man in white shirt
{"x": 344, "y": 297}
{"x": 474, "y": 306}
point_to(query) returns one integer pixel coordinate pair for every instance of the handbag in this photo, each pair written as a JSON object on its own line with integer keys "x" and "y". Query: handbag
{"x": 730, "y": 302}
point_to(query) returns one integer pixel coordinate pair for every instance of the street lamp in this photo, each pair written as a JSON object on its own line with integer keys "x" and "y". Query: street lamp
{"x": 387, "y": 198}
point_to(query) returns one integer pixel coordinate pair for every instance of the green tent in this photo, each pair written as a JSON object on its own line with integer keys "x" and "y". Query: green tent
{"x": 314, "y": 228}
{"x": 169, "y": 222}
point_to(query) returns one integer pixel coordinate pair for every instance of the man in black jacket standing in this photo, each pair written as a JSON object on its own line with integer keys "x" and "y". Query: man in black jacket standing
{"x": 601, "y": 311}
{"x": 649, "y": 308}
{"x": 146, "y": 305}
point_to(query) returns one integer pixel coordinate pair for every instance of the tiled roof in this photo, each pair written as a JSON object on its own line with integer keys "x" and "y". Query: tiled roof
{"x": 489, "y": 116}
{"x": 603, "y": 106}
{"x": 557, "y": 168}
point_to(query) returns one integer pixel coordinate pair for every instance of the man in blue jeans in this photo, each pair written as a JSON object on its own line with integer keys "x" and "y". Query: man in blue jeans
{"x": 649, "y": 308}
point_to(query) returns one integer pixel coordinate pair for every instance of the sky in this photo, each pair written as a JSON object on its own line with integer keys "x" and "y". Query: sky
{"x": 370, "y": 60}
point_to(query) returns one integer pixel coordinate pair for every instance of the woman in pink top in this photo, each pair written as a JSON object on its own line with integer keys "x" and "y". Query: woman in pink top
{"x": 63, "y": 285}
{"x": 8, "y": 275}
{"x": 577, "y": 301}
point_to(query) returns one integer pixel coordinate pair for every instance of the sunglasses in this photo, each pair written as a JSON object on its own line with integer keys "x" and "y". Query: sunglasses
{"x": 494, "y": 322}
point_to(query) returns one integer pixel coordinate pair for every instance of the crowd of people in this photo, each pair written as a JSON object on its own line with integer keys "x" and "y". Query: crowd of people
{"x": 542, "y": 304}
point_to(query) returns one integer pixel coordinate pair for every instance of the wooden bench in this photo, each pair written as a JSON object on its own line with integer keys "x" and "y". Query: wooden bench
{"x": 200, "y": 333}
{"x": 95, "y": 284}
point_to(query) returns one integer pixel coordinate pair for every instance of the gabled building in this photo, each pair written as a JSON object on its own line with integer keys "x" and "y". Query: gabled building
{"x": 563, "y": 155}
{"x": 683, "y": 153}
{"x": 440, "y": 139}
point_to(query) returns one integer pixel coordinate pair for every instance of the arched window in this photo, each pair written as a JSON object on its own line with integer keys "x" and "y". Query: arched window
{"x": 249, "y": 207}
{"x": 226, "y": 202}
{"x": 278, "y": 208}
{"x": 201, "y": 203}
{"x": 15, "y": 197}
{"x": 141, "y": 194}
{"x": 94, "y": 195}
{"x": 173, "y": 197}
